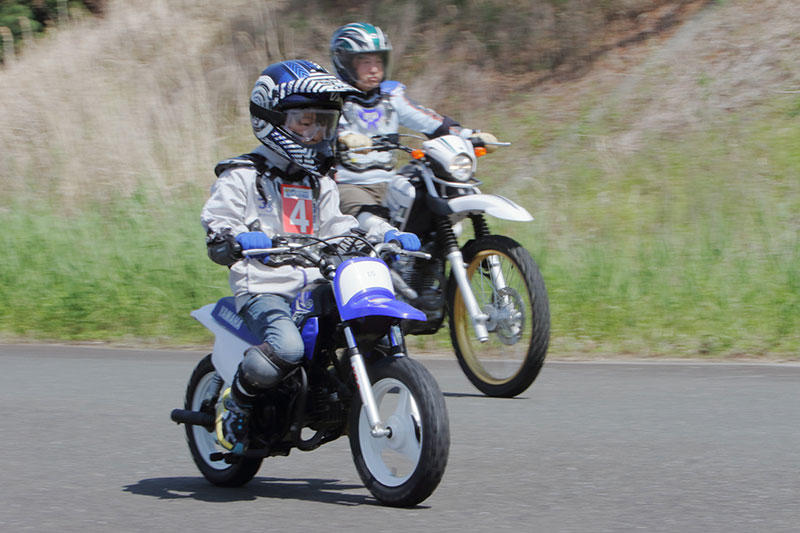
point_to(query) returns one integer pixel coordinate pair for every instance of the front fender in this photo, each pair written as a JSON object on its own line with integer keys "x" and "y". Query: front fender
{"x": 492, "y": 204}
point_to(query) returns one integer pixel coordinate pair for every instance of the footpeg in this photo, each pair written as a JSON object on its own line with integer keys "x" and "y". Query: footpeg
{"x": 194, "y": 418}
{"x": 231, "y": 458}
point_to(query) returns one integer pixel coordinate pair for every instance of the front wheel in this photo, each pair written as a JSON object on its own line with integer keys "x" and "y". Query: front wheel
{"x": 202, "y": 394}
{"x": 509, "y": 289}
{"x": 403, "y": 469}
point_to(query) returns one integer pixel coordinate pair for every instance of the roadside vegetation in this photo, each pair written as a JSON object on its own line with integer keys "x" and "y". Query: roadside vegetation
{"x": 660, "y": 157}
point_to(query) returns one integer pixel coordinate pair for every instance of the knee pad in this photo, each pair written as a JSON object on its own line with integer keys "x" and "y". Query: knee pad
{"x": 262, "y": 369}
{"x": 368, "y": 218}
{"x": 400, "y": 197}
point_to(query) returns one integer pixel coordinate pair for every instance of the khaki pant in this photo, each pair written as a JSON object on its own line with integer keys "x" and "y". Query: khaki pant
{"x": 353, "y": 199}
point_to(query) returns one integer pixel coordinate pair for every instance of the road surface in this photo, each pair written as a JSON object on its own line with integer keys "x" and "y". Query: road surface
{"x": 88, "y": 446}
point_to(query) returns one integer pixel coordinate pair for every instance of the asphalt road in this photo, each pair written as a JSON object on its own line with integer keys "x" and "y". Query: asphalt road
{"x": 678, "y": 447}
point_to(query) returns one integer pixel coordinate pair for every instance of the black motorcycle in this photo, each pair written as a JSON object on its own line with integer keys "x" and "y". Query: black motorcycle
{"x": 490, "y": 289}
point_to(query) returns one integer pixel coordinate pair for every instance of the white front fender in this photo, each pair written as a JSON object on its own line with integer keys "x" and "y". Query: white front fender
{"x": 493, "y": 204}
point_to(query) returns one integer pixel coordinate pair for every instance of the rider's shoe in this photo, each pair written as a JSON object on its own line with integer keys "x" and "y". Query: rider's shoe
{"x": 232, "y": 424}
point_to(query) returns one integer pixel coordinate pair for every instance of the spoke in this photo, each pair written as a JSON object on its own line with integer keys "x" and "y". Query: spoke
{"x": 486, "y": 279}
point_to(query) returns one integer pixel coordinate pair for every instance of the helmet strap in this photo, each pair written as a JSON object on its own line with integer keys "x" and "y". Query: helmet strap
{"x": 367, "y": 99}
{"x": 273, "y": 117}
{"x": 293, "y": 171}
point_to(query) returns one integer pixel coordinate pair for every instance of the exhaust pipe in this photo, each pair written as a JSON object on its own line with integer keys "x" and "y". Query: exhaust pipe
{"x": 192, "y": 418}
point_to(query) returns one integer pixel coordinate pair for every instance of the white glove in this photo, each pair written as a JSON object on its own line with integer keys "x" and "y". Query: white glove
{"x": 488, "y": 139}
{"x": 355, "y": 140}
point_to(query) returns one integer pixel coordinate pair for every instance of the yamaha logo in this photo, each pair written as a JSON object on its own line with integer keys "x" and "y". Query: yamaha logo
{"x": 230, "y": 317}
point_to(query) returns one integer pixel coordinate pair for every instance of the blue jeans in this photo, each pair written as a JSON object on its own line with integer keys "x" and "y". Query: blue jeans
{"x": 269, "y": 317}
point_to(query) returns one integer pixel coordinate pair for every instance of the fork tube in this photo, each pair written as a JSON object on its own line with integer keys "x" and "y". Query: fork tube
{"x": 447, "y": 239}
{"x": 460, "y": 273}
{"x": 377, "y": 428}
{"x": 481, "y": 229}
{"x": 397, "y": 341}
{"x": 496, "y": 272}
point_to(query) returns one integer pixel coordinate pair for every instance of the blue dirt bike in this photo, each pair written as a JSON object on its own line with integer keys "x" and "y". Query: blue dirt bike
{"x": 355, "y": 378}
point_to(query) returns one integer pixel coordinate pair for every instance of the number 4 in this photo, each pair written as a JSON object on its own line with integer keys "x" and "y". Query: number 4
{"x": 298, "y": 216}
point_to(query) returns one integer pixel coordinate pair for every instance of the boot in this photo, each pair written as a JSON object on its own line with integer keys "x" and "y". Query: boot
{"x": 232, "y": 423}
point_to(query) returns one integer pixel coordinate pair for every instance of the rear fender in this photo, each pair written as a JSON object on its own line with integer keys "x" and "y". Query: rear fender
{"x": 230, "y": 341}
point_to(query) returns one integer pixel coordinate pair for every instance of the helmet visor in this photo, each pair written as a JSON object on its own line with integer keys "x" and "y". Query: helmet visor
{"x": 312, "y": 125}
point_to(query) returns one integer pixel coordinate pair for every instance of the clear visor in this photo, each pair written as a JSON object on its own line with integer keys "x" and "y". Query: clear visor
{"x": 311, "y": 125}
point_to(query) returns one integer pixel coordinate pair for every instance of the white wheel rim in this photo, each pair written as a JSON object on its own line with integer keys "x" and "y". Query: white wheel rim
{"x": 206, "y": 441}
{"x": 392, "y": 460}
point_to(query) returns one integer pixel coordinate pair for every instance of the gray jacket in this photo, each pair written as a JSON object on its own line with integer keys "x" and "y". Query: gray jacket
{"x": 309, "y": 206}
{"x": 390, "y": 109}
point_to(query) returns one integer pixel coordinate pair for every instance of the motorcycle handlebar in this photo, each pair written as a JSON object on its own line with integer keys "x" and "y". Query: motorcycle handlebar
{"x": 384, "y": 143}
{"x": 387, "y": 248}
{"x": 380, "y": 250}
{"x": 261, "y": 251}
{"x": 477, "y": 141}
{"x": 327, "y": 262}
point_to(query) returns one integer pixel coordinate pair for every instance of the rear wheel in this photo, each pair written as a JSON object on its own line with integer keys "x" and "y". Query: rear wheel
{"x": 404, "y": 468}
{"x": 509, "y": 289}
{"x": 202, "y": 394}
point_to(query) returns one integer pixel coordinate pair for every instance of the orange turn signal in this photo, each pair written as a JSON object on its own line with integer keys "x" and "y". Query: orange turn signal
{"x": 417, "y": 154}
{"x": 480, "y": 151}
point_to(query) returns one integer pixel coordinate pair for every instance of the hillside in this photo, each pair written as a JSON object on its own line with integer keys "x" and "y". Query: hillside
{"x": 670, "y": 64}
{"x": 655, "y": 141}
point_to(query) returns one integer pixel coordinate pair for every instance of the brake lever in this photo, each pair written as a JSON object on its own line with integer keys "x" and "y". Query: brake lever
{"x": 421, "y": 255}
{"x": 390, "y": 247}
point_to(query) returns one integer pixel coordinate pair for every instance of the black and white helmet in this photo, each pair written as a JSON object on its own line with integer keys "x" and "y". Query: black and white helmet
{"x": 294, "y": 111}
{"x": 358, "y": 38}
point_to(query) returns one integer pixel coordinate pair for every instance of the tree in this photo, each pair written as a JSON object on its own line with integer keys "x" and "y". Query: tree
{"x": 40, "y": 14}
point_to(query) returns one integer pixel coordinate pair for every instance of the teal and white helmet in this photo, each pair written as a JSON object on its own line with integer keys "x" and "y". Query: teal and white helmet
{"x": 358, "y": 38}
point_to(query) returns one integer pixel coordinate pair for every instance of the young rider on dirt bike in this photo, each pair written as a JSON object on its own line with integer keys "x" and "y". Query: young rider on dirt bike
{"x": 360, "y": 53}
{"x": 279, "y": 188}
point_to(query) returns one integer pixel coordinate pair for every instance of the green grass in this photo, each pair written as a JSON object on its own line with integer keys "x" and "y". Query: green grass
{"x": 689, "y": 247}
{"x": 124, "y": 271}
{"x": 687, "y": 244}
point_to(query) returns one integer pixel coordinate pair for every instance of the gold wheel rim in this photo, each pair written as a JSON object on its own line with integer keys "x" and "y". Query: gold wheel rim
{"x": 463, "y": 323}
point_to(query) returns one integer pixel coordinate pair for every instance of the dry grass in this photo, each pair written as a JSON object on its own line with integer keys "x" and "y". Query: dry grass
{"x": 662, "y": 171}
{"x": 146, "y": 96}
{"x": 151, "y": 95}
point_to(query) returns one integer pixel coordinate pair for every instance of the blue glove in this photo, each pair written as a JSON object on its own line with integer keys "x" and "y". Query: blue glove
{"x": 255, "y": 239}
{"x": 408, "y": 241}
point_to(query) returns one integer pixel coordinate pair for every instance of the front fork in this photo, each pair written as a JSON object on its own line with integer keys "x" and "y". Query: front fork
{"x": 377, "y": 427}
{"x": 480, "y": 320}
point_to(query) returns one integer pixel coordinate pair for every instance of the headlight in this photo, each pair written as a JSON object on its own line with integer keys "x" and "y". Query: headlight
{"x": 460, "y": 167}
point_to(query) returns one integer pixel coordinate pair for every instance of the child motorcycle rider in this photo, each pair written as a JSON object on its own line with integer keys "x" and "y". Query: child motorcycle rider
{"x": 279, "y": 188}
{"x": 361, "y": 55}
